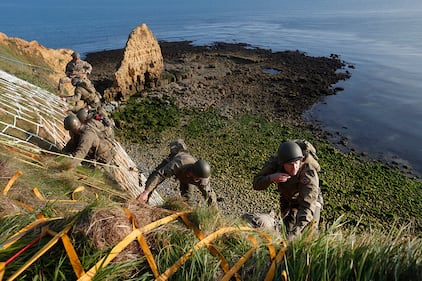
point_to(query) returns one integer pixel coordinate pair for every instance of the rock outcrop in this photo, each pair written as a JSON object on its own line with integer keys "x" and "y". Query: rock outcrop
{"x": 50, "y": 62}
{"x": 141, "y": 66}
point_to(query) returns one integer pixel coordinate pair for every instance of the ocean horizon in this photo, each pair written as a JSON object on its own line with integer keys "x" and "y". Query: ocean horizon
{"x": 380, "y": 109}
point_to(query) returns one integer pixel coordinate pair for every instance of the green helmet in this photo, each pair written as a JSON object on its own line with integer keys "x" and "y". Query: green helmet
{"x": 76, "y": 55}
{"x": 289, "y": 151}
{"x": 71, "y": 122}
{"x": 201, "y": 169}
{"x": 83, "y": 114}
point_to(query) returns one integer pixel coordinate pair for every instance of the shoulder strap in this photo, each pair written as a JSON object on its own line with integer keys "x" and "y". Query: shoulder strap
{"x": 309, "y": 153}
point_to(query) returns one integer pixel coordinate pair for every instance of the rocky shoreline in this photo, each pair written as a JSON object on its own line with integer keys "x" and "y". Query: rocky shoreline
{"x": 236, "y": 78}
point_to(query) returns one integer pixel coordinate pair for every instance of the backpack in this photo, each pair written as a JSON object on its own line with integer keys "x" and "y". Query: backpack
{"x": 103, "y": 131}
{"x": 176, "y": 146}
{"x": 309, "y": 153}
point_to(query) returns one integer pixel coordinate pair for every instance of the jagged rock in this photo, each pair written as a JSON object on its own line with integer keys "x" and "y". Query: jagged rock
{"x": 141, "y": 66}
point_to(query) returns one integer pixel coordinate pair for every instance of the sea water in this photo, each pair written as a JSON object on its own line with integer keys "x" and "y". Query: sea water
{"x": 380, "y": 109}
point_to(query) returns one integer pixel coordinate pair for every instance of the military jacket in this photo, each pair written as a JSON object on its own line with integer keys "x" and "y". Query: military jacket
{"x": 90, "y": 143}
{"x": 75, "y": 69}
{"x": 177, "y": 166}
{"x": 301, "y": 192}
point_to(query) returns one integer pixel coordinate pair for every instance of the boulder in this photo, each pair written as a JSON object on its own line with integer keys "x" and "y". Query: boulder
{"x": 141, "y": 66}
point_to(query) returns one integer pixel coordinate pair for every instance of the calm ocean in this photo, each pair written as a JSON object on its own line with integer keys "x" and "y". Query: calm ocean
{"x": 380, "y": 110}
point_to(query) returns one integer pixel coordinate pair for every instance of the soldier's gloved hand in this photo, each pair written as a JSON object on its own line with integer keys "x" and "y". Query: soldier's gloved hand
{"x": 291, "y": 237}
{"x": 279, "y": 177}
{"x": 143, "y": 196}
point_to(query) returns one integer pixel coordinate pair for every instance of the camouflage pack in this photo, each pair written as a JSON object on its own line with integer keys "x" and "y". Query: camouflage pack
{"x": 309, "y": 153}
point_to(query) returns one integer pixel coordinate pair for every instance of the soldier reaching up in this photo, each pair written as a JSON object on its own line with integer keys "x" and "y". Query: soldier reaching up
{"x": 87, "y": 141}
{"x": 184, "y": 167}
{"x": 75, "y": 68}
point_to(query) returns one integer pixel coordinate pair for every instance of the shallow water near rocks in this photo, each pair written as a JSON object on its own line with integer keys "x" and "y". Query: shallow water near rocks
{"x": 271, "y": 71}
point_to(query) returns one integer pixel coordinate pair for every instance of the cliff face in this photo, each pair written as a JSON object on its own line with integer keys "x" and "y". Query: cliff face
{"x": 141, "y": 66}
{"x": 40, "y": 58}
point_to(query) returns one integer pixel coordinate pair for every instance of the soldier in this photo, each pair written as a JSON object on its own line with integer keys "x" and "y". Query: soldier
{"x": 298, "y": 185}
{"x": 87, "y": 142}
{"x": 75, "y": 68}
{"x": 85, "y": 115}
{"x": 189, "y": 171}
{"x": 176, "y": 146}
{"x": 85, "y": 95}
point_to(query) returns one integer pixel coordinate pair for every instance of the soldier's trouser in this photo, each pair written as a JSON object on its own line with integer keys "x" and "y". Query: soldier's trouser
{"x": 62, "y": 81}
{"x": 76, "y": 106}
{"x": 207, "y": 193}
{"x": 289, "y": 220}
{"x": 317, "y": 216}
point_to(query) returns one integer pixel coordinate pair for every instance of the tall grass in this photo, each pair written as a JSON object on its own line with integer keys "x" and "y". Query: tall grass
{"x": 337, "y": 253}
{"x": 344, "y": 254}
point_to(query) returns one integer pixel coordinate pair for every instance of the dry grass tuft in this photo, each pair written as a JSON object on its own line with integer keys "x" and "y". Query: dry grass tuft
{"x": 8, "y": 207}
{"x": 107, "y": 227}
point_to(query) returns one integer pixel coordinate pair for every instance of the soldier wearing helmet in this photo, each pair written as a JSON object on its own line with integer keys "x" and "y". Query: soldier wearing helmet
{"x": 74, "y": 68}
{"x": 189, "y": 171}
{"x": 298, "y": 186}
{"x": 87, "y": 142}
{"x": 76, "y": 55}
{"x": 85, "y": 95}
{"x": 72, "y": 124}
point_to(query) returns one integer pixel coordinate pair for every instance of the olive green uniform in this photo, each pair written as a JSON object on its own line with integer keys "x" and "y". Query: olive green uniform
{"x": 85, "y": 96}
{"x": 300, "y": 196}
{"x": 179, "y": 166}
{"x": 101, "y": 116}
{"x": 90, "y": 143}
{"x": 79, "y": 68}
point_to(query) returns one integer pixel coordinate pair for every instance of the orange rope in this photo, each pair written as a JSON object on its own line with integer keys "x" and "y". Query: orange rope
{"x": 137, "y": 234}
{"x": 11, "y": 181}
{"x": 143, "y": 244}
{"x": 224, "y": 264}
{"x": 204, "y": 242}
